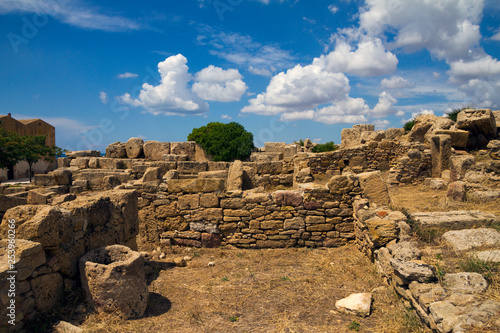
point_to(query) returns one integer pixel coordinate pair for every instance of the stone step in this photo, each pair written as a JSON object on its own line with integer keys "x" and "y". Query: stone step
{"x": 454, "y": 220}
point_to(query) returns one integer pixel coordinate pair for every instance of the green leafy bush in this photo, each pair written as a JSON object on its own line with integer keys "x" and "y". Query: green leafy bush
{"x": 409, "y": 125}
{"x": 224, "y": 142}
{"x": 322, "y": 147}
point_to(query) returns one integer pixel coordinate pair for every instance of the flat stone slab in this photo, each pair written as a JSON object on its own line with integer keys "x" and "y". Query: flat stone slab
{"x": 462, "y": 240}
{"x": 460, "y": 219}
{"x": 465, "y": 282}
{"x": 488, "y": 255}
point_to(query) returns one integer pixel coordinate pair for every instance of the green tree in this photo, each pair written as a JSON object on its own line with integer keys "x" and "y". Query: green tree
{"x": 9, "y": 148}
{"x": 323, "y": 147}
{"x": 224, "y": 142}
{"x": 33, "y": 148}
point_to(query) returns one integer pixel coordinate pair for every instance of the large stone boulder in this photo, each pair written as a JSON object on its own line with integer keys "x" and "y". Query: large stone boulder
{"x": 422, "y": 125}
{"x": 134, "y": 147}
{"x": 116, "y": 150}
{"x": 154, "y": 150}
{"x": 478, "y": 121}
{"x": 382, "y": 231}
{"x": 62, "y": 176}
{"x": 114, "y": 280}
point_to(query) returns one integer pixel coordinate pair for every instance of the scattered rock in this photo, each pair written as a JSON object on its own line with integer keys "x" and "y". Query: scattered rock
{"x": 413, "y": 271}
{"x": 65, "y": 327}
{"x": 357, "y": 304}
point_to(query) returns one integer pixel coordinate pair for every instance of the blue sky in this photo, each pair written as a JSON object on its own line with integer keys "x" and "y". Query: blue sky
{"x": 105, "y": 71}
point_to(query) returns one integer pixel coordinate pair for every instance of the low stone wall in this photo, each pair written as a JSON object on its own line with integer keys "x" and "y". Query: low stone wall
{"x": 407, "y": 161}
{"x": 49, "y": 240}
{"x": 311, "y": 218}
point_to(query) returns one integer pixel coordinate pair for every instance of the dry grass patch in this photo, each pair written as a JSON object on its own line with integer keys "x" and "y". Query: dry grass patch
{"x": 420, "y": 198}
{"x": 268, "y": 290}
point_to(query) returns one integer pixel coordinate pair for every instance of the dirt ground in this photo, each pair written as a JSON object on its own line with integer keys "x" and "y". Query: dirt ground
{"x": 267, "y": 290}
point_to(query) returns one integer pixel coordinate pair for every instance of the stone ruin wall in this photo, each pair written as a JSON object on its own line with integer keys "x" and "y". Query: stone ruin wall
{"x": 178, "y": 201}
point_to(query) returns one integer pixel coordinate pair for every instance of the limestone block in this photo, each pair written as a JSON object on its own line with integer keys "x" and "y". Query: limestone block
{"x": 191, "y": 167}
{"x": 114, "y": 281}
{"x": 151, "y": 174}
{"x": 235, "y": 176}
{"x": 274, "y": 147}
{"x": 294, "y": 223}
{"x": 459, "y": 138}
{"x": 134, "y": 148}
{"x": 374, "y": 188}
{"x": 184, "y": 148}
{"x": 44, "y": 180}
{"x": 116, "y": 150}
{"x": 174, "y": 158}
{"x": 62, "y": 176}
{"x": 154, "y": 150}
{"x": 271, "y": 168}
{"x": 440, "y": 124}
{"x": 478, "y": 121}
{"x": 189, "y": 201}
{"x": 357, "y": 304}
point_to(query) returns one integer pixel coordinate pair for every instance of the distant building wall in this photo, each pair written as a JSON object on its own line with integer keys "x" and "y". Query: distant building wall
{"x": 29, "y": 127}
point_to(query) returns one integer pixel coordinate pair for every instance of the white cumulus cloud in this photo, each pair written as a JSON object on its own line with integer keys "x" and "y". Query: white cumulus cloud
{"x": 216, "y": 84}
{"x": 299, "y": 89}
{"x": 369, "y": 59}
{"x": 395, "y": 82}
{"x": 172, "y": 95}
{"x": 385, "y": 105}
{"x": 447, "y": 28}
